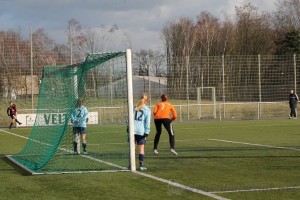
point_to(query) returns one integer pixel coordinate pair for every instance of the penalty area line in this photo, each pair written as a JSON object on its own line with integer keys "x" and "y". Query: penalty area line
{"x": 253, "y": 144}
{"x": 257, "y": 190}
{"x": 209, "y": 194}
{"x": 14, "y": 134}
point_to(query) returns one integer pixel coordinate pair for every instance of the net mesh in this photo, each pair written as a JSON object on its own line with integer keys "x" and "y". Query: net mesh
{"x": 101, "y": 81}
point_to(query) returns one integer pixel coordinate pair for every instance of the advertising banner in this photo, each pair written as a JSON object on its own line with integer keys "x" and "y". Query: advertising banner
{"x": 50, "y": 119}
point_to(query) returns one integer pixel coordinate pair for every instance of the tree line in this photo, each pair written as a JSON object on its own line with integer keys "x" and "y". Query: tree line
{"x": 250, "y": 32}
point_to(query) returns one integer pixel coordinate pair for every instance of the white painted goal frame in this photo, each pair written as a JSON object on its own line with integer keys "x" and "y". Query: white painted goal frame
{"x": 213, "y": 101}
{"x": 130, "y": 109}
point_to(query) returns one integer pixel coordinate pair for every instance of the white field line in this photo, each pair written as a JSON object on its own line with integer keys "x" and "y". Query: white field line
{"x": 161, "y": 141}
{"x": 14, "y": 134}
{"x": 86, "y": 156}
{"x": 257, "y": 190}
{"x": 151, "y": 176}
{"x": 205, "y": 127}
{"x": 225, "y": 127}
{"x": 253, "y": 144}
{"x": 254, "y": 190}
{"x": 209, "y": 194}
{"x": 26, "y": 138}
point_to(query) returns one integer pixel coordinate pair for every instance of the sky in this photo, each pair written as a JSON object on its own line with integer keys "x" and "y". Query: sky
{"x": 139, "y": 22}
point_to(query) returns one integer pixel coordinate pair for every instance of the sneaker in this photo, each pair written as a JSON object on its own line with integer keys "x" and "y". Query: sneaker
{"x": 76, "y": 153}
{"x": 85, "y": 152}
{"x": 142, "y": 168}
{"x": 174, "y": 152}
{"x": 155, "y": 151}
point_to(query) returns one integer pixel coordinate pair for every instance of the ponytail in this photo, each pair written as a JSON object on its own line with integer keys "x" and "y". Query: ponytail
{"x": 142, "y": 101}
{"x": 140, "y": 104}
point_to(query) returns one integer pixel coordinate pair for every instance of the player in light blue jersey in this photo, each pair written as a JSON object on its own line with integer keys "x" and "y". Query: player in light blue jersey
{"x": 142, "y": 118}
{"x": 79, "y": 118}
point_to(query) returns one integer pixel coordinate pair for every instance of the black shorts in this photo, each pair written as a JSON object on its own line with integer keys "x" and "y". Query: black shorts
{"x": 12, "y": 116}
{"x": 140, "y": 139}
{"x": 79, "y": 130}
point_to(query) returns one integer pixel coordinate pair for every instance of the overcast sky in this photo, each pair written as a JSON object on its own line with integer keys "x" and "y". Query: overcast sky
{"x": 141, "y": 20}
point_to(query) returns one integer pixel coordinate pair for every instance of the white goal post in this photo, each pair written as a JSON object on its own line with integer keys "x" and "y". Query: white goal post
{"x": 130, "y": 110}
{"x": 206, "y": 96}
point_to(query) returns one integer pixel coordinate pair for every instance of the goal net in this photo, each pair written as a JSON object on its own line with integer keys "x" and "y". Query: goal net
{"x": 101, "y": 80}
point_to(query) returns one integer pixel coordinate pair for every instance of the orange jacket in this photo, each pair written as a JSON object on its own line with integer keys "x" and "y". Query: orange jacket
{"x": 162, "y": 111}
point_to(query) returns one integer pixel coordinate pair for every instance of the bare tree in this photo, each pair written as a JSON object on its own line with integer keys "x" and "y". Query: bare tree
{"x": 43, "y": 48}
{"x": 75, "y": 39}
{"x": 285, "y": 19}
{"x": 287, "y": 14}
{"x": 14, "y": 63}
{"x": 149, "y": 63}
{"x": 208, "y": 29}
{"x": 227, "y": 37}
{"x": 141, "y": 60}
{"x": 180, "y": 39}
{"x": 158, "y": 64}
{"x": 254, "y": 32}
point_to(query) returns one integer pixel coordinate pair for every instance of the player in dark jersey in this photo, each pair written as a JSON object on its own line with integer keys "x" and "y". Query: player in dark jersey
{"x": 12, "y": 112}
{"x": 293, "y": 101}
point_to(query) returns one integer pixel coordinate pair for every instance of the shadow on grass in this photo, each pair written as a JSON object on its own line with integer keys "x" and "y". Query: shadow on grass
{"x": 8, "y": 166}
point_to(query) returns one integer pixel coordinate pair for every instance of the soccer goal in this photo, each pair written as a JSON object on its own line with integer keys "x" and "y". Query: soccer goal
{"x": 206, "y": 100}
{"x": 104, "y": 82}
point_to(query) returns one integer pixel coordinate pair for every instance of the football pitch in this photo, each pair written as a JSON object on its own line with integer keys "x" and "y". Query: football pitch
{"x": 217, "y": 160}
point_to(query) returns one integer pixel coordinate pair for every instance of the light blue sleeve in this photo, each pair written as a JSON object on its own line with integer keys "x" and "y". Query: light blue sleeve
{"x": 85, "y": 112}
{"x": 147, "y": 120}
{"x": 84, "y": 117}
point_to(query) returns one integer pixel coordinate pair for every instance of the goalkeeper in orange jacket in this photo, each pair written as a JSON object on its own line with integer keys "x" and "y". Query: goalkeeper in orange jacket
{"x": 161, "y": 113}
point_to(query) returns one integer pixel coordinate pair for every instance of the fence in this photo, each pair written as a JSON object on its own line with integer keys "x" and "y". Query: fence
{"x": 201, "y": 87}
{"x": 232, "y": 87}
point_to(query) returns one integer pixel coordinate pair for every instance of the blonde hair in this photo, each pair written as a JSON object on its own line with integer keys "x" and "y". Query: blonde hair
{"x": 142, "y": 101}
{"x": 80, "y": 102}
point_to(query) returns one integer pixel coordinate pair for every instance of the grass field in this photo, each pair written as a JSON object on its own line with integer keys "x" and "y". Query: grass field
{"x": 229, "y": 160}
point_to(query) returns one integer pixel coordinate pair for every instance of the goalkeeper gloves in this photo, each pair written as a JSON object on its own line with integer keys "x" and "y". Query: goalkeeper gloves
{"x": 146, "y": 134}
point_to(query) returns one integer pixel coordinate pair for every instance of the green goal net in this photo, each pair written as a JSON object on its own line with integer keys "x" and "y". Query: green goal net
{"x": 101, "y": 80}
